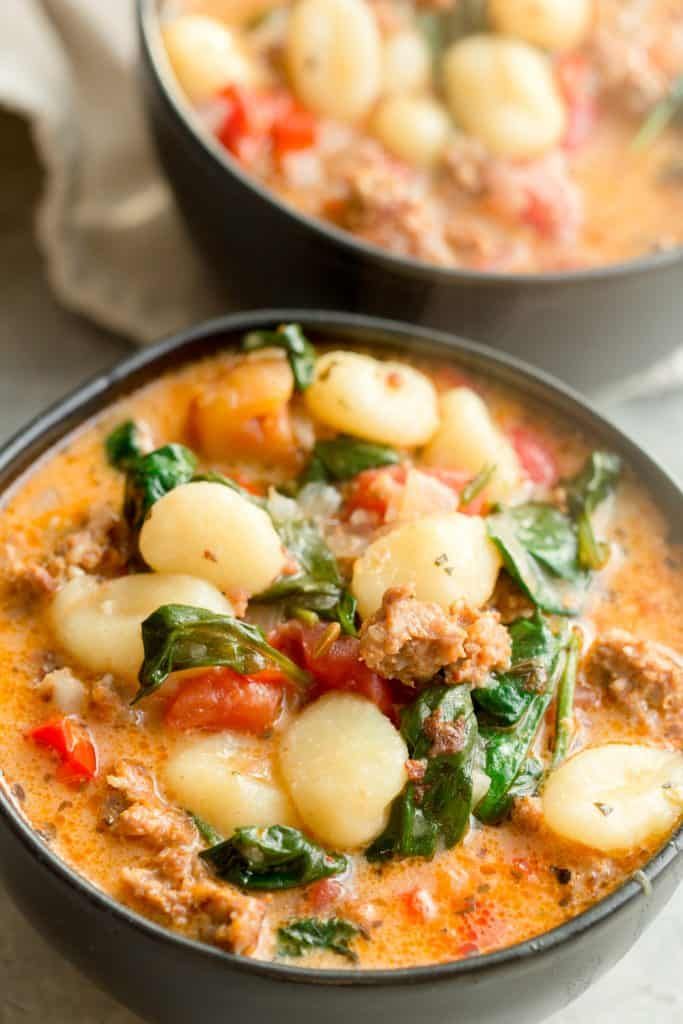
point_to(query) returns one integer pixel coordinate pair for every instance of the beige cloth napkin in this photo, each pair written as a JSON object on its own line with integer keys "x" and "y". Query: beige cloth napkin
{"x": 113, "y": 243}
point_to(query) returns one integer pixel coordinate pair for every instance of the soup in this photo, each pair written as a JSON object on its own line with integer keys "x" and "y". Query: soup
{"x": 508, "y": 136}
{"x": 336, "y": 659}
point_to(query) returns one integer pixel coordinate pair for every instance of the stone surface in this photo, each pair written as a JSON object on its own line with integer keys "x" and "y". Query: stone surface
{"x": 44, "y": 352}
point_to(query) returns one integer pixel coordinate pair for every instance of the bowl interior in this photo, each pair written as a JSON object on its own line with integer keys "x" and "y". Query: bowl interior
{"x": 53, "y": 426}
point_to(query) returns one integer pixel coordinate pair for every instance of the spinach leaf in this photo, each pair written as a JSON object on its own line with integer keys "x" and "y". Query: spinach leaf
{"x": 533, "y": 650}
{"x": 661, "y": 115}
{"x": 529, "y": 778}
{"x": 123, "y": 445}
{"x": 564, "y": 715}
{"x": 150, "y": 477}
{"x": 208, "y": 833}
{"x": 585, "y": 492}
{"x": 476, "y": 485}
{"x": 507, "y": 750}
{"x": 439, "y": 807}
{"x": 539, "y": 547}
{"x": 177, "y": 637}
{"x": 272, "y": 858}
{"x": 300, "y": 353}
{"x": 308, "y": 933}
{"x": 211, "y": 477}
{"x": 318, "y": 586}
{"x": 346, "y": 457}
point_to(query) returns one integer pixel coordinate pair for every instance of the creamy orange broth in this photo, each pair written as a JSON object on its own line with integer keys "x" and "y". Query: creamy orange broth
{"x": 500, "y": 885}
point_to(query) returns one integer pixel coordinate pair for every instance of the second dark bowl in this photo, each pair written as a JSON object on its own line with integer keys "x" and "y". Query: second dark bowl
{"x": 588, "y": 327}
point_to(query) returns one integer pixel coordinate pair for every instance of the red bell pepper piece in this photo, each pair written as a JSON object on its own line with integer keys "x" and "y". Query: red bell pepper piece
{"x": 69, "y": 740}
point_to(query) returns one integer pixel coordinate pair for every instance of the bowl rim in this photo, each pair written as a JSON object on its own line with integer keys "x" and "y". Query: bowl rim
{"x": 86, "y": 402}
{"x": 215, "y": 155}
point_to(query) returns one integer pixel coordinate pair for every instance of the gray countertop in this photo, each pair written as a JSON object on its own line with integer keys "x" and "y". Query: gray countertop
{"x": 44, "y": 352}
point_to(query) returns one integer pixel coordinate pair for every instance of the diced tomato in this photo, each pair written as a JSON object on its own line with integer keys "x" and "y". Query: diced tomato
{"x": 69, "y": 740}
{"x": 221, "y": 698}
{"x": 575, "y": 79}
{"x": 468, "y": 949}
{"x": 294, "y": 130}
{"x": 256, "y": 120}
{"x": 246, "y": 482}
{"x": 371, "y": 489}
{"x": 538, "y": 461}
{"x": 324, "y": 894}
{"x": 457, "y": 480}
{"x": 368, "y": 490}
{"x": 337, "y": 667}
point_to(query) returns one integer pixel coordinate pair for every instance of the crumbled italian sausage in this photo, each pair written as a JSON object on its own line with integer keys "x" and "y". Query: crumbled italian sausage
{"x": 412, "y": 640}
{"x": 643, "y": 678}
{"x": 175, "y": 883}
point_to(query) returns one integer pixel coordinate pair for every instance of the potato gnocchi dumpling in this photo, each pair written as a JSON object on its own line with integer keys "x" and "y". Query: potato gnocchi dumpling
{"x": 208, "y": 530}
{"x": 615, "y": 798}
{"x": 230, "y": 781}
{"x": 445, "y": 558}
{"x": 205, "y": 56}
{"x": 550, "y": 24}
{"x": 413, "y": 128}
{"x": 98, "y": 623}
{"x": 233, "y": 12}
{"x": 334, "y": 57}
{"x": 503, "y": 92}
{"x": 467, "y": 438}
{"x": 382, "y": 401}
{"x": 406, "y": 63}
{"x": 343, "y": 762}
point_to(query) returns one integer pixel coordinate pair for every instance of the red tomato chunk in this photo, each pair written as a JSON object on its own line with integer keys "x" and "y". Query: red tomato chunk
{"x": 221, "y": 698}
{"x": 70, "y": 741}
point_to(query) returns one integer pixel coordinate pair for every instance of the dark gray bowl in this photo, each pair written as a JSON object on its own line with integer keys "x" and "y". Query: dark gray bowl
{"x": 170, "y": 980}
{"x": 585, "y": 326}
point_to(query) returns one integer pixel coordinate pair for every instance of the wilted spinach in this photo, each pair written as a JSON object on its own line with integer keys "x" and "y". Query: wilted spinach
{"x": 564, "y": 715}
{"x": 123, "y": 445}
{"x": 585, "y": 492}
{"x": 177, "y": 637}
{"x": 661, "y": 115}
{"x": 306, "y": 934}
{"x": 272, "y": 858}
{"x": 533, "y": 652}
{"x": 539, "y": 547}
{"x": 346, "y": 457}
{"x": 507, "y": 761}
{"x": 317, "y": 586}
{"x": 290, "y": 337}
{"x": 438, "y": 807}
{"x": 550, "y": 553}
{"x": 208, "y": 833}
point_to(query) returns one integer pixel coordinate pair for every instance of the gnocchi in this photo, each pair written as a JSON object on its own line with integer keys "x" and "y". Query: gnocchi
{"x": 406, "y": 63}
{"x": 208, "y": 530}
{"x": 343, "y": 763}
{"x": 382, "y": 401}
{"x": 98, "y": 623}
{"x": 413, "y": 128}
{"x": 233, "y": 12}
{"x": 468, "y": 439}
{"x": 230, "y": 781}
{"x": 445, "y": 558}
{"x": 333, "y": 56}
{"x": 205, "y": 56}
{"x": 550, "y": 24}
{"x": 503, "y": 92}
{"x": 615, "y": 798}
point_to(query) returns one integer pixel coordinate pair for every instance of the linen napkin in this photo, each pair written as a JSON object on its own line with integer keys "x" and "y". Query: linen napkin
{"x": 114, "y": 246}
